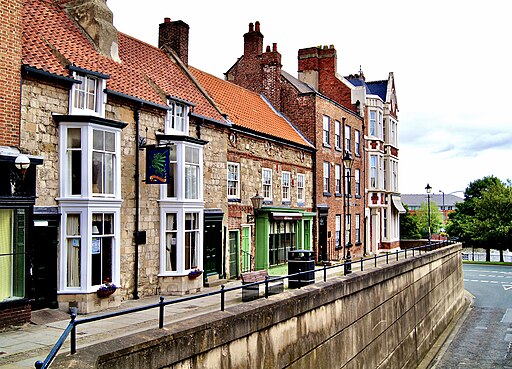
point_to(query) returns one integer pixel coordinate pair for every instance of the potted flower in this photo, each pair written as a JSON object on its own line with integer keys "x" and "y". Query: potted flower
{"x": 194, "y": 273}
{"x": 106, "y": 289}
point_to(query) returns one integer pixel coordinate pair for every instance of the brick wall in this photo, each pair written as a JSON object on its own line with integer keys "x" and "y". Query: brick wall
{"x": 16, "y": 312}
{"x": 10, "y": 70}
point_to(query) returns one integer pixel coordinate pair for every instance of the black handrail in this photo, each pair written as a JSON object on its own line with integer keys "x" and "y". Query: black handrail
{"x": 71, "y": 328}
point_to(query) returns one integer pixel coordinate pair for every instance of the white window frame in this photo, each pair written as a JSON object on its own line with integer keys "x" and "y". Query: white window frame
{"x": 171, "y": 118}
{"x": 357, "y": 180}
{"x": 266, "y": 185}
{"x": 358, "y": 228}
{"x": 373, "y": 171}
{"x": 337, "y": 134}
{"x": 235, "y": 180}
{"x": 337, "y": 178}
{"x": 301, "y": 188}
{"x": 86, "y": 244}
{"x": 357, "y": 142}
{"x": 181, "y": 213}
{"x": 180, "y": 175}
{"x": 86, "y": 135}
{"x": 327, "y": 178}
{"x": 99, "y": 95}
{"x": 326, "y": 124}
{"x": 337, "y": 234}
{"x": 286, "y": 186}
{"x": 348, "y": 141}
{"x": 373, "y": 123}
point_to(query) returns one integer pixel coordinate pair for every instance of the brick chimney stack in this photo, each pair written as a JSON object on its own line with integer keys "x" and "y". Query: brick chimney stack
{"x": 10, "y": 71}
{"x": 253, "y": 41}
{"x": 317, "y": 67}
{"x": 175, "y": 35}
{"x": 258, "y": 71}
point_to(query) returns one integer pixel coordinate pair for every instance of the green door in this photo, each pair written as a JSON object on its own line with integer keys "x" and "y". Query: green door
{"x": 234, "y": 242}
{"x": 307, "y": 235}
{"x": 246, "y": 249}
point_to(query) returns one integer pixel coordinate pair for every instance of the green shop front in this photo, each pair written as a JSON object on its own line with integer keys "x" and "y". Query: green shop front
{"x": 279, "y": 230}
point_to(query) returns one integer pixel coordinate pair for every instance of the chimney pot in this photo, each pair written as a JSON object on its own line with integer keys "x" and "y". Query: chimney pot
{"x": 268, "y": 49}
{"x": 251, "y": 27}
{"x": 274, "y": 47}
{"x": 257, "y": 26}
{"x": 167, "y": 20}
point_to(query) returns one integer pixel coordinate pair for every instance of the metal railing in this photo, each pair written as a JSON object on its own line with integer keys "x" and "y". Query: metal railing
{"x": 346, "y": 267}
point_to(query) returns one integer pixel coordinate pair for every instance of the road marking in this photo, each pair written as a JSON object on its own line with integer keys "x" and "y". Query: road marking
{"x": 507, "y": 287}
{"x": 507, "y": 317}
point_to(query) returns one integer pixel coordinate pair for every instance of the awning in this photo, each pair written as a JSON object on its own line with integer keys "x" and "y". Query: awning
{"x": 286, "y": 216}
{"x": 397, "y": 201}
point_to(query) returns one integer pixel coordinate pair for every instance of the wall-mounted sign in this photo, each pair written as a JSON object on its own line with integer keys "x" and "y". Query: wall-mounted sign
{"x": 157, "y": 165}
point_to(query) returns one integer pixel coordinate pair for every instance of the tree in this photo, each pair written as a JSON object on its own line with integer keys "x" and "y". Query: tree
{"x": 464, "y": 221}
{"x": 409, "y": 229}
{"x": 492, "y": 222}
{"x": 436, "y": 219}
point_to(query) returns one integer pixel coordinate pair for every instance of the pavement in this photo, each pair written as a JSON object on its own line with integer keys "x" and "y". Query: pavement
{"x": 21, "y": 347}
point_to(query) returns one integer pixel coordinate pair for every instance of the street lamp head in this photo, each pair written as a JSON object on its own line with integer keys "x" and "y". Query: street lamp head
{"x": 257, "y": 202}
{"x": 348, "y": 160}
{"x": 428, "y": 188}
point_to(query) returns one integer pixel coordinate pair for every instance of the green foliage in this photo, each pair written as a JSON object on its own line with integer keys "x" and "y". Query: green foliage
{"x": 158, "y": 163}
{"x": 409, "y": 229}
{"x": 436, "y": 219}
{"x": 484, "y": 219}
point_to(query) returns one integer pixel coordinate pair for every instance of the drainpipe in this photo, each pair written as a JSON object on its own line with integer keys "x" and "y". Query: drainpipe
{"x": 136, "y": 116}
{"x": 365, "y": 245}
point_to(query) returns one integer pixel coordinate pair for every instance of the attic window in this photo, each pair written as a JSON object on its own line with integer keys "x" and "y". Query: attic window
{"x": 87, "y": 97}
{"x": 176, "y": 120}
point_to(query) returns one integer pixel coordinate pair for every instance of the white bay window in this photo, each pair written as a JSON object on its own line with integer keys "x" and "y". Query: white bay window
{"x": 90, "y": 201}
{"x": 181, "y": 207}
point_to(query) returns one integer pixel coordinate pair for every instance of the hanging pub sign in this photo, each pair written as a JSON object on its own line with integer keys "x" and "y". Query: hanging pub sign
{"x": 157, "y": 165}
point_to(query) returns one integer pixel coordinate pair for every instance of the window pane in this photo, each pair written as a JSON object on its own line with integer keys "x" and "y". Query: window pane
{"x": 97, "y": 172}
{"x": 102, "y": 242}
{"x": 97, "y": 140}
{"x": 74, "y": 140}
{"x": 109, "y": 174}
{"x": 110, "y": 141}
{"x": 73, "y": 250}
{"x": 75, "y": 171}
{"x": 170, "y": 242}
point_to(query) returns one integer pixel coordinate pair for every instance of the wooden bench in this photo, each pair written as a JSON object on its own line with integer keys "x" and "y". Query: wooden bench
{"x": 253, "y": 292}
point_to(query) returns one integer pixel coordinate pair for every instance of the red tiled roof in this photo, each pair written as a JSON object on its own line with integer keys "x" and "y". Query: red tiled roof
{"x": 247, "y": 109}
{"x": 52, "y": 41}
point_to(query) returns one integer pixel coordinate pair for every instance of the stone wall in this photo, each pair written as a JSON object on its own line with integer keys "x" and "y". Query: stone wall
{"x": 387, "y": 317}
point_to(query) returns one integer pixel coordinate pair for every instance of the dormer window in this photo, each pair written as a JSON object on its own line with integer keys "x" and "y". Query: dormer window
{"x": 87, "y": 96}
{"x": 176, "y": 120}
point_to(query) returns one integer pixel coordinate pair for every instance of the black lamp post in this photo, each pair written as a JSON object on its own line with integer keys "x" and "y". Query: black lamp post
{"x": 429, "y": 191}
{"x": 348, "y": 161}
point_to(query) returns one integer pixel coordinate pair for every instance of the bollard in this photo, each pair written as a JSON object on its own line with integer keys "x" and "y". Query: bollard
{"x": 325, "y": 271}
{"x": 73, "y": 334}
{"x": 161, "y": 314}
{"x": 266, "y": 286}
{"x": 222, "y": 293}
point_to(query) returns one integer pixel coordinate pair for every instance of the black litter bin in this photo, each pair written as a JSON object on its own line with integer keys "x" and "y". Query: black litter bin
{"x": 301, "y": 261}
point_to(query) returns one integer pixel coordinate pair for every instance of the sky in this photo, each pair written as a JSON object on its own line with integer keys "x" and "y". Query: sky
{"x": 452, "y": 62}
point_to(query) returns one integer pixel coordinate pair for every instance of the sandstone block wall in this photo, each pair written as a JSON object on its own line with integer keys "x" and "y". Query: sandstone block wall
{"x": 381, "y": 318}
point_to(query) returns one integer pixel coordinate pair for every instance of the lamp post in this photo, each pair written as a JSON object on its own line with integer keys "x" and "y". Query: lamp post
{"x": 429, "y": 191}
{"x": 348, "y": 161}
{"x": 442, "y": 209}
